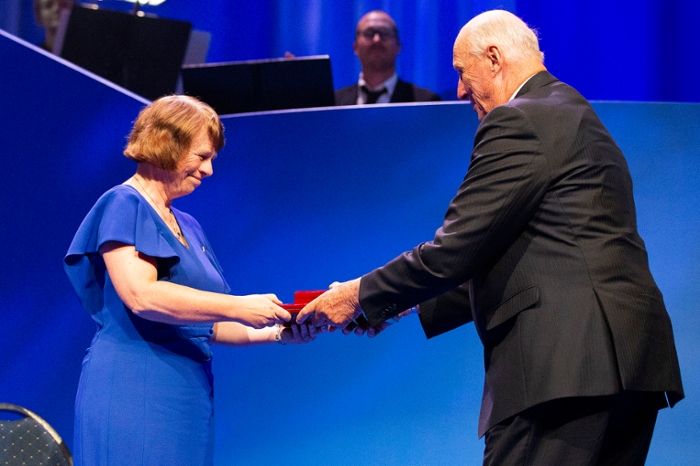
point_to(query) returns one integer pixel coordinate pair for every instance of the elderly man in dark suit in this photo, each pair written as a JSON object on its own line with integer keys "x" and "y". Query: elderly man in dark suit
{"x": 376, "y": 45}
{"x": 540, "y": 250}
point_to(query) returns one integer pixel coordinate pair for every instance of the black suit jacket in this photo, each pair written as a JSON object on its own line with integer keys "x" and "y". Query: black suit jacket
{"x": 403, "y": 92}
{"x": 540, "y": 250}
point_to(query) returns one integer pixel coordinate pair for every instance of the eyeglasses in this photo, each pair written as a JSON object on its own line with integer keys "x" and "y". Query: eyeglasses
{"x": 384, "y": 33}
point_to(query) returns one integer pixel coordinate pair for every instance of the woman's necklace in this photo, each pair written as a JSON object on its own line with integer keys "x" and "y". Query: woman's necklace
{"x": 172, "y": 224}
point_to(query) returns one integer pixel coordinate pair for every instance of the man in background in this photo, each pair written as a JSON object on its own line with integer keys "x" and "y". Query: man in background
{"x": 540, "y": 249}
{"x": 48, "y": 14}
{"x": 376, "y": 45}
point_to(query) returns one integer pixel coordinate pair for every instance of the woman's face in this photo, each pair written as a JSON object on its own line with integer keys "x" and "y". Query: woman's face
{"x": 49, "y": 11}
{"x": 194, "y": 166}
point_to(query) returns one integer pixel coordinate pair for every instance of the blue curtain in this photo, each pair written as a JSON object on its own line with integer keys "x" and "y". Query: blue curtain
{"x": 623, "y": 50}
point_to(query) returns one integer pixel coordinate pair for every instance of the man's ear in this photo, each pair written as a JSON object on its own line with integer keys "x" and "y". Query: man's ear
{"x": 495, "y": 58}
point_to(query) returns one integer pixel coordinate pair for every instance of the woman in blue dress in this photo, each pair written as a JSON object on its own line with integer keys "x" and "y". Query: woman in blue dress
{"x": 147, "y": 275}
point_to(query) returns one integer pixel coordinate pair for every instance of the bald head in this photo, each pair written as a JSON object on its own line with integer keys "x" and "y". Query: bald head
{"x": 494, "y": 54}
{"x": 377, "y": 16}
{"x": 503, "y": 29}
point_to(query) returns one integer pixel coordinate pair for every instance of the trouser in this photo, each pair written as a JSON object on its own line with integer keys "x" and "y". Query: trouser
{"x": 610, "y": 430}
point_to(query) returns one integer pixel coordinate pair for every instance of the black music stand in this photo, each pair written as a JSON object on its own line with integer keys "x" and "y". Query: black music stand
{"x": 261, "y": 85}
{"x": 141, "y": 53}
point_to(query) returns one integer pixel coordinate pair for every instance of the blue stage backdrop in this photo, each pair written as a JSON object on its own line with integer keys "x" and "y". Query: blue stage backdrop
{"x": 608, "y": 49}
{"x": 299, "y": 200}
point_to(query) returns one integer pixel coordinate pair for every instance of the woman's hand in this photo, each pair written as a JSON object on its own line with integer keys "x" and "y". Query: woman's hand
{"x": 261, "y": 310}
{"x": 299, "y": 333}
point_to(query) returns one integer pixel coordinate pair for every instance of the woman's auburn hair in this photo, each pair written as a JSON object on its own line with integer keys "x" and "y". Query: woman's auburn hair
{"x": 165, "y": 130}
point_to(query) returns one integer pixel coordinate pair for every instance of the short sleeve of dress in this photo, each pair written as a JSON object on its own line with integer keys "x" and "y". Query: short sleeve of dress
{"x": 118, "y": 215}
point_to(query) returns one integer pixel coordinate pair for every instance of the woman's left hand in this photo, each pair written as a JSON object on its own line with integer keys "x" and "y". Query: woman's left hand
{"x": 299, "y": 333}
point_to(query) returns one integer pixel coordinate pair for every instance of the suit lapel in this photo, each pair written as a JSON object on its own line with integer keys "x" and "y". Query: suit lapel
{"x": 352, "y": 95}
{"x": 402, "y": 92}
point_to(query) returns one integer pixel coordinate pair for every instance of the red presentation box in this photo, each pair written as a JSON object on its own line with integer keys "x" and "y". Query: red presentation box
{"x": 306, "y": 296}
{"x": 301, "y": 299}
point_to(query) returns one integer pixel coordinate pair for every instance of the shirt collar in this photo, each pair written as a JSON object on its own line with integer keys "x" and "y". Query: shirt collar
{"x": 520, "y": 87}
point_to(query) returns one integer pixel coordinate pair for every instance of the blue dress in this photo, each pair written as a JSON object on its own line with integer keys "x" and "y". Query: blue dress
{"x": 145, "y": 395}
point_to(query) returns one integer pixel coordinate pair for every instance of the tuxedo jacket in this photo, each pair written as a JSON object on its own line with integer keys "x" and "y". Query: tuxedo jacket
{"x": 540, "y": 249}
{"x": 403, "y": 92}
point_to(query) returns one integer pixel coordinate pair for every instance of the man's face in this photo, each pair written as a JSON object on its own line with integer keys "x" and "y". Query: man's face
{"x": 477, "y": 81}
{"x": 376, "y": 44}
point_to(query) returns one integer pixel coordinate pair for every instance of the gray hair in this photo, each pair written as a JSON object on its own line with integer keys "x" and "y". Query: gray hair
{"x": 505, "y": 30}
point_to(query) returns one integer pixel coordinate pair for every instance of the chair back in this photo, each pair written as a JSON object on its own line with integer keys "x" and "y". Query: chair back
{"x": 25, "y": 438}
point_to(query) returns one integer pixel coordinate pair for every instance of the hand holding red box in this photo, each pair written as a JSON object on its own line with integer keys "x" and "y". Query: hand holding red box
{"x": 301, "y": 299}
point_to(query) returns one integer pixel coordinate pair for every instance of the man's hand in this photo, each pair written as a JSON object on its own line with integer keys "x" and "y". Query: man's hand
{"x": 338, "y": 306}
{"x": 361, "y": 326}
